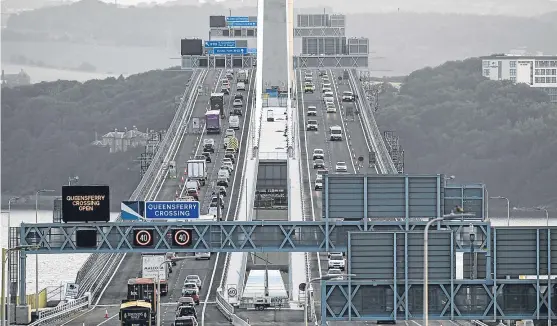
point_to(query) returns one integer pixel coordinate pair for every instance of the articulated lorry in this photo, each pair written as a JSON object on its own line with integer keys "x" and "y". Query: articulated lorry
{"x": 197, "y": 170}
{"x": 216, "y": 102}
{"x": 143, "y": 289}
{"x": 153, "y": 266}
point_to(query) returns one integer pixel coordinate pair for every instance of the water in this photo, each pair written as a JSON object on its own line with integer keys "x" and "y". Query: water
{"x": 40, "y": 74}
{"x": 53, "y": 269}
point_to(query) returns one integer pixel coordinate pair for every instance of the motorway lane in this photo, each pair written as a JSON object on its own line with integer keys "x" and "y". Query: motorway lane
{"x": 353, "y": 126}
{"x": 131, "y": 265}
{"x": 212, "y": 315}
{"x": 334, "y": 150}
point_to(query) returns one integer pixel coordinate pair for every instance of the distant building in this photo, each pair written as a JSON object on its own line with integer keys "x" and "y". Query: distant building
{"x": 536, "y": 71}
{"x": 19, "y": 79}
{"x": 121, "y": 141}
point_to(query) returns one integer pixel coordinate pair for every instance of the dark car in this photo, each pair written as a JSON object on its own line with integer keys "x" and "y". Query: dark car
{"x": 186, "y": 310}
{"x": 236, "y": 111}
{"x": 225, "y": 90}
{"x": 231, "y": 157}
{"x": 239, "y": 96}
{"x": 207, "y": 157}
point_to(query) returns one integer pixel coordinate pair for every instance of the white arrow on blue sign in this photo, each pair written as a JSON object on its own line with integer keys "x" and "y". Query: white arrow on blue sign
{"x": 230, "y": 50}
{"x": 171, "y": 209}
{"x": 237, "y": 19}
{"x": 220, "y": 44}
{"x": 242, "y": 24}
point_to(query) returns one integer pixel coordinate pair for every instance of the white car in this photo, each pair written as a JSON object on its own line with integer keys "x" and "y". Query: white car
{"x": 312, "y": 110}
{"x": 318, "y": 153}
{"x": 229, "y": 133}
{"x": 228, "y": 165}
{"x": 193, "y": 279}
{"x": 336, "y": 261}
{"x": 327, "y": 88}
{"x": 318, "y": 184}
{"x": 241, "y": 86}
{"x": 347, "y": 96}
{"x": 190, "y": 286}
{"x": 341, "y": 167}
{"x": 202, "y": 255}
{"x": 331, "y": 108}
{"x": 312, "y": 125}
{"x": 335, "y": 271}
{"x": 237, "y": 103}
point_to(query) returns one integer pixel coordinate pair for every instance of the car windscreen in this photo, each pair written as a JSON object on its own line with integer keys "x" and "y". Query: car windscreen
{"x": 336, "y": 257}
{"x": 336, "y": 131}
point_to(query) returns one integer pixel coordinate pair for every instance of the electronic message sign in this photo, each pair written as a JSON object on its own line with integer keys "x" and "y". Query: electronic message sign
{"x": 85, "y": 204}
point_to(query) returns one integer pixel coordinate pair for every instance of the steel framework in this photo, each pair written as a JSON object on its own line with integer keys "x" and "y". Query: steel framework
{"x": 330, "y": 61}
{"x": 231, "y": 31}
{"x": 516, "y": 284}
{"x": 218, "y": 61}
{"x": 319, "y": 31}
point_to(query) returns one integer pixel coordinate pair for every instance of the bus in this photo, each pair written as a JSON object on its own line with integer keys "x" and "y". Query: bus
{"x": 143, "y": 289}
{"x": 135, "y": 313}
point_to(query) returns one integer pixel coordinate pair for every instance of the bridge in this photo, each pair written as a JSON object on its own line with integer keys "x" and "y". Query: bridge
{"x": 276, "y": 220}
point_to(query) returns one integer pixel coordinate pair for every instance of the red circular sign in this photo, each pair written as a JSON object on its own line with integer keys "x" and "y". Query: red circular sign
{"x": 182, "y": 237}
{"x": 143, "y": 237}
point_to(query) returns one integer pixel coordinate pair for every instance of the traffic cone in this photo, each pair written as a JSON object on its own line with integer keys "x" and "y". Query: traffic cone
{"x": 106, "y": 313}
{"x": 177, "y": 194}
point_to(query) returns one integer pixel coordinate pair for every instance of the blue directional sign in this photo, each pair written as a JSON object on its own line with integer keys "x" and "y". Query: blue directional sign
{"x": 220, "y": 44}
{"x": 237, "y": 19}
{"x": 251, "y": 50}
{"x": 171, "y": 209}
{"x": 230, "y": 51}
{"x": 242, "y": 24}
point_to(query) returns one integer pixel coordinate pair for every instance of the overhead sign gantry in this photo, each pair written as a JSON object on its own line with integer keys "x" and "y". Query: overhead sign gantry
{"x": 385, "y": 257}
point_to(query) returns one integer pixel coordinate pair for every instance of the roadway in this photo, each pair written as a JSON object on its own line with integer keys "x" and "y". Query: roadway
{"x": 212, "y": 315}
{"x": 131, "y": 265}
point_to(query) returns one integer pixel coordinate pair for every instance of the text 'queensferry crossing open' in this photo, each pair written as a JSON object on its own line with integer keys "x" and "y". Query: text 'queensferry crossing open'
{"x": 171, "y": 209}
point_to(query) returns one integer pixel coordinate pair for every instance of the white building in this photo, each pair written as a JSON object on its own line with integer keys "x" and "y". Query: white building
{"x": 536, "y": 71}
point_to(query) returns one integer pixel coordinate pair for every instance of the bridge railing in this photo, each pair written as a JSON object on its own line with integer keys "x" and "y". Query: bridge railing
{"x": 55, "y": 315}
{"x": 98, "y": 268}
{"x": 386, "y": 165}
{"x": 94, "y": 269}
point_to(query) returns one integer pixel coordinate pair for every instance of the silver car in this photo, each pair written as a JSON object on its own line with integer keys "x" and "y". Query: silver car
{"x": 193, "y": 279}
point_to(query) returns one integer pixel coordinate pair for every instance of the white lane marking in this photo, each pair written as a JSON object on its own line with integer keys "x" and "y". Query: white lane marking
{"x": 310, "y": 188}
{"x": 346, "y": 131}
{"x": 244, "y": 127}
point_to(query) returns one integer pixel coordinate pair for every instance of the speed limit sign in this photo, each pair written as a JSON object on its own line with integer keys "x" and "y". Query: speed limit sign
{"x": 143, "y": 238}
{"x": 181, "y": 237}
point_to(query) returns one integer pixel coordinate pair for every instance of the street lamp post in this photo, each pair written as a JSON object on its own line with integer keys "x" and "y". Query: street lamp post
{"x": 508, "y": 208}
{"x": 37, "y": 194}
{"x": 451, "y": 177}
{"x": 5, "y": 255}
{"x": 322, "y": 278}
{"x": 72, "y": 179}
{"x": 426, "y": 258}
{"x": 12, "y": 199}
{"x": 537, "y": 208}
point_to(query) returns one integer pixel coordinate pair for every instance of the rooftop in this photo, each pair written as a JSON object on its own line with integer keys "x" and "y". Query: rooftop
{"x": 518, "y": 57}
{"x": 272, "y": 144}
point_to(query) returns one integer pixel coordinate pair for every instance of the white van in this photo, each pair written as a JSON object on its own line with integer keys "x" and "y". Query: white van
{"x": 234, "y": 122}
{"x": 202, "y": 255}
{"x": 270, "y": 115}
{"x": 223, "y": 174}
{"x": 241, "y": 86}
{"x": 335, "y": 132}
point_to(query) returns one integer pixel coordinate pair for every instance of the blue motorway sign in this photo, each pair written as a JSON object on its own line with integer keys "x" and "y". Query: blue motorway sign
{"x": 220, "y": 44}
{"x": 230, "y": 51}
{"x": 242, "y": 24}
{"x": 251, "y": 50}
{"x": 237, "y": 19}
{"x": 171, "y": 209}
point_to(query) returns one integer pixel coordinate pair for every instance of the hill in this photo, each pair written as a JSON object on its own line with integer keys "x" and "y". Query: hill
{"x": 452, "y": 120}
{"x": 48, "y": 128}
{"x": 406, "y": 41}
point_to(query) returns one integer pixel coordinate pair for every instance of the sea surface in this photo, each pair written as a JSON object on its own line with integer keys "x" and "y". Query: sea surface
{"x": 39, "y": 74}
